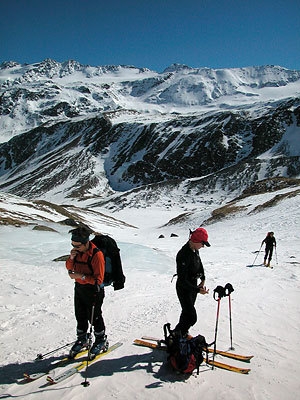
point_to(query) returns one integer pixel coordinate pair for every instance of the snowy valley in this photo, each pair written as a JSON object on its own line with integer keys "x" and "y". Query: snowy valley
{"x": 144, "y": 157}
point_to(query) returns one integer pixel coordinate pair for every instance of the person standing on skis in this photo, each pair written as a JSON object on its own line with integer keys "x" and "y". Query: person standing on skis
{"x": 189, "y": 270}
{"x": 87, "y": 266}
{"x": 270, "y": 242}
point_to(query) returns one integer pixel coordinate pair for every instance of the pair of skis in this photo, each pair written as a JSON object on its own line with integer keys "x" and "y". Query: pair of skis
{"x": 72, "y": 370}
{"x": 146, "y": 341}
{"x": 154, "y": 343}
{"x": 62, "y": 363}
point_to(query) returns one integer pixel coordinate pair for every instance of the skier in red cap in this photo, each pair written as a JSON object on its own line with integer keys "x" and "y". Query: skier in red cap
{"x": 189, "y": 270}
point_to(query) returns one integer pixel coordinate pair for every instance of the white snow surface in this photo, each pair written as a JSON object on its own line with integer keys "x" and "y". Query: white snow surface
{"x": 36, "y": 308}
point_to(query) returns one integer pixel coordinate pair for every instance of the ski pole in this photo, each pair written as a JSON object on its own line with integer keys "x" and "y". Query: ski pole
{"x": 86, "y": 383}
{"x": 276, "y": 256}
{"x": 41, "y": 356}
{"x": 219, "y": 292}
{"x": 256, "y": 255}
{"x": 229, "y": 289}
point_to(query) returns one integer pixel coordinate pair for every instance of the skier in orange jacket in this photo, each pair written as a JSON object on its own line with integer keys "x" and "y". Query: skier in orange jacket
{"x": 86, "y": 266}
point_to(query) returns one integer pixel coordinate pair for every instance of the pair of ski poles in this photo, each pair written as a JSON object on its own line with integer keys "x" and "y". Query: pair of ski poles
{"x": 219, "y": 293}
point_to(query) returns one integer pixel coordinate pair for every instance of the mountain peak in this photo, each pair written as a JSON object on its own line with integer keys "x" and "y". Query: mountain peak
{"x": 177, "y": 67}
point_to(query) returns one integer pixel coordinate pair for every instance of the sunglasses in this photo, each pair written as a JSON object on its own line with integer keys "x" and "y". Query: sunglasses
{"x": 76, "y": 246}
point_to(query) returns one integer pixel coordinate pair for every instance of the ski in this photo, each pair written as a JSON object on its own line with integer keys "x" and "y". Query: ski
{"x": 233, "y": 356}
{"x": 73, "y": 370}
{"x": 228, "y": 367}
{"x": 217, "y": 364}
{"x": 64, "y": 361}
{"x": 227, "y": 354}
{"x": 158, "y": 345}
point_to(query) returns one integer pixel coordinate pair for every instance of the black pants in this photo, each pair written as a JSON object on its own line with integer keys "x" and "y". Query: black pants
{"x": 188, "y": 315}
{"x": 85, "y": 297}
{"x": 268, "y": 253}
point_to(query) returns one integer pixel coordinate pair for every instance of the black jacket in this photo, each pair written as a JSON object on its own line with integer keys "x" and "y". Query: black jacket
{"x": 189, "y": 268}
{"x": 270, "y": 241}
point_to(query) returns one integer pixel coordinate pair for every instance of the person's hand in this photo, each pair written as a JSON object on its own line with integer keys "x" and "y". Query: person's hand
{"x": 203, "y": 290}
{"x": 73, "y": 254}
{"x": 74, "y": 275}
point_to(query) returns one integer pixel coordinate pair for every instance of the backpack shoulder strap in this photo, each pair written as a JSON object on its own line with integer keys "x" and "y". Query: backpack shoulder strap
{"x": 89, "y": 261}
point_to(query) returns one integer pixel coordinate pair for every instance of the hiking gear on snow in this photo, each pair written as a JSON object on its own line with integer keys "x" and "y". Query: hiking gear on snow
{"x": 217, "y": 364}
{"x": 113, "y": 264}
{"x": 185, "y": 354}
{"x": 76, "y": 368}
{"x": 160, "y": 342}
{"x": 62, "y": 361}
{"x": 228, "y": 290}
{"x": 219, "y": 292}
{"x": 200, "y": 235}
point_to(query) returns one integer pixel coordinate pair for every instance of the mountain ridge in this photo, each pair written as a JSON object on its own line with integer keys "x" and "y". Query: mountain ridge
{"x": 84, "y": 133}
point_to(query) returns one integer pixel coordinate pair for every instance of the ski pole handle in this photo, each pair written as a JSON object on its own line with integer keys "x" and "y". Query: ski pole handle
{"x": 219, "y": 292}
{"x": 228, "y": 289}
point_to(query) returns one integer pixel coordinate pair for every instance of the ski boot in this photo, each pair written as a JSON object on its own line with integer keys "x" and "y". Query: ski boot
{"x": 80, "y": 344}
{"x": 100, "y": 346}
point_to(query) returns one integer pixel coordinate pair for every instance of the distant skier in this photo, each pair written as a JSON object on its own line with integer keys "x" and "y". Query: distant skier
{"x": 189, "y": 270}
{"x": 270, "y": 242}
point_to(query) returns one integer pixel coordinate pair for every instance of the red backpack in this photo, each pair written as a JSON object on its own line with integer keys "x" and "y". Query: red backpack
{"x": 185, "y": 354}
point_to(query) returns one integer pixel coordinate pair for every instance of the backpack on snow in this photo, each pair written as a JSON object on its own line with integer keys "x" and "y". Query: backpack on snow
{"x": 185, "y": 354}
{"x": 113, "y": 265}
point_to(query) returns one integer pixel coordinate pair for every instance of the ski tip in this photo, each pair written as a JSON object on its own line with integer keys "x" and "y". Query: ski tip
{"x": 50, "y": 380}
{"x": 27, "y": 377}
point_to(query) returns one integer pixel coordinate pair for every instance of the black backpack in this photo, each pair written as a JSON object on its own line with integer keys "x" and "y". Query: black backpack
{"x": 113, "y": 265}
{"x": 185, "y": 354}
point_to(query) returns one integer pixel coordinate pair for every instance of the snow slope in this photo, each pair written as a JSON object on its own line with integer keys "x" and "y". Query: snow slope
{"x": 37, "y": 307}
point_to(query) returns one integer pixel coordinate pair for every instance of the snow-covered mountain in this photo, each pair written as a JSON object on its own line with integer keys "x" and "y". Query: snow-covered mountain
{"x": 72, "y": 132}
{"x": 142, "y": 155}
{"x": 34, "y": 94}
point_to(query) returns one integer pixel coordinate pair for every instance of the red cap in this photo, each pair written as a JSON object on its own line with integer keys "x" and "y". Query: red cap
{"x": 200, "y": 235}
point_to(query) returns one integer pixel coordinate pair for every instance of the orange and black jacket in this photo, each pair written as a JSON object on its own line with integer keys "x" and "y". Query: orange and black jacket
{"x": 89, "y": 264}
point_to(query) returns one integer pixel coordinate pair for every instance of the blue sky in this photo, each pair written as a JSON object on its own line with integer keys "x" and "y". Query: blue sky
{"x": 152, "y": 33}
